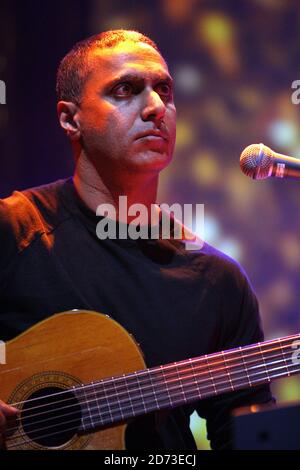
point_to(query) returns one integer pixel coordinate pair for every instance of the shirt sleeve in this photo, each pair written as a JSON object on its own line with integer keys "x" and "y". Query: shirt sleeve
{"x": 241, "y": 325}
{"x": 8, "y": 243}
{"x": 19, "y": 225}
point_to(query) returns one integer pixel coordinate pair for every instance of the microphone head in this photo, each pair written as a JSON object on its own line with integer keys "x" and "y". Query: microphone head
{"x": 256, "y": 161}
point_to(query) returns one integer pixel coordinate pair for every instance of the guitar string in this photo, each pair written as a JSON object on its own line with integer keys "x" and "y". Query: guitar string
{"x": 43, "y": 436}
{"x": 132, "y": 398}
{"x": 196, "y": 361}
{"x": 136, "y": 382}
{"x": 195, "y": 396}
{"x": 165, "y": 377}
{"x": 157, "y": 380}
{"x": 187, "y": 382}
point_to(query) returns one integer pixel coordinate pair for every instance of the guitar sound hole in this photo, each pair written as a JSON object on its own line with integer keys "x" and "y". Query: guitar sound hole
{"x": 53, "y": 418}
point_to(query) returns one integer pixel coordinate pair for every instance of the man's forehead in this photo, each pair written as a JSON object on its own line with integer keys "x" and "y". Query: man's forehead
{"x": 127, "y": 56}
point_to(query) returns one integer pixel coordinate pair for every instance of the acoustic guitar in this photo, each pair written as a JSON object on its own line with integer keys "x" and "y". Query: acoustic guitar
{"x": 78, "y": 377}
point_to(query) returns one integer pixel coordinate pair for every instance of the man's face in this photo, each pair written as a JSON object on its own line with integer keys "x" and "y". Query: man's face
{"x": 127, "y": 115}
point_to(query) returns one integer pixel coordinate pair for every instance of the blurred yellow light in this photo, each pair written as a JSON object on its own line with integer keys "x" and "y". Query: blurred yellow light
{"x": 204, "y": 168}
{"x": 215, "y": 29}
{"x": 184, "y": 134}
{"x": 216, "y": 32}
{"x": 287, "y": 389}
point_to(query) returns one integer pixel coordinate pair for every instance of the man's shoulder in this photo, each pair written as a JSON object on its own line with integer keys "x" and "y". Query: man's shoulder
{"x": 219, "y": 257}
{"x": 27, "y": 213}
{"x": 198, "y": 252}
{"x": 25, "y": 202}
{"x": 46, "y": 195}
{"x": 220, "y": 266}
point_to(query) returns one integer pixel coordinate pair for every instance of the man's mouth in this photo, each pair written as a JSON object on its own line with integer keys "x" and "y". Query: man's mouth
{"x": 153, "y": 135}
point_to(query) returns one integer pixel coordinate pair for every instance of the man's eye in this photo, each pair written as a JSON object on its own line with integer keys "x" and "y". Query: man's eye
{"x": 163, "y": 89}
{"x": 123, "y": 89}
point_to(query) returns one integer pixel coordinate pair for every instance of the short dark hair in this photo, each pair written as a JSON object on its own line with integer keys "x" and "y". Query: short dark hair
{"x": 74, "y": 68}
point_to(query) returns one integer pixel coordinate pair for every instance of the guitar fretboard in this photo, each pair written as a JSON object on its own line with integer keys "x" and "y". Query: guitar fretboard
{"x": 119, "y": 398}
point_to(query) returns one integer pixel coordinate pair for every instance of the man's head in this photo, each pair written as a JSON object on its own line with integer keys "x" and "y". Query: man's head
{"x": 116, "y": 102}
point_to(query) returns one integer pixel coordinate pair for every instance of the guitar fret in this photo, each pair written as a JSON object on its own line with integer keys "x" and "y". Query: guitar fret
{"x": 284, "y": 359}
{"x": 227, "y": 371}
{"x": 264, "y": 363}
{"x": 97, "y": 402}
{"x": 245, "y": 366}
{"x": 141, "y": 393}
{"x": 153, "y": 387}
{"x": 107, "y": 402}
{"x": 128, "y": 393}
{"x": 118, "y": 400}
{"x": 166, "y": 385}
{"x": 180, "y": 382}
{"x": 210, "y": 374}
{"x": 86, "y": 409}
{"x": 194, "y": 377}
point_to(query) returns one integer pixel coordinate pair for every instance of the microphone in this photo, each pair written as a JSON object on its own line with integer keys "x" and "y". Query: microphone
{"x": 260, "y": 162}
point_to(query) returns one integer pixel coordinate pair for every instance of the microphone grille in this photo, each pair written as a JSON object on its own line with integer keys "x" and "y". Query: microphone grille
{"x": 256, "y": 161}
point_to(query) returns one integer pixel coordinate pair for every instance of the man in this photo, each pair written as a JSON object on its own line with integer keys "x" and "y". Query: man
{"x": 115, "y": 103}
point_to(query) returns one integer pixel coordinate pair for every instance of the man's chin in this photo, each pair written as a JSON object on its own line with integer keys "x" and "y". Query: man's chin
{"x": 151, "y": 160}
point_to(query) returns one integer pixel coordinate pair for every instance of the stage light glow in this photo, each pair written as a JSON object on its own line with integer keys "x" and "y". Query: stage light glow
{"x": 184, "y": 134}
{"x": 212, "y": 230}
{"x": 205, "y": 169}
{"x": 283, "y": 133}
{"x": 231, "y": 247}
{"x": 188, "y": 79}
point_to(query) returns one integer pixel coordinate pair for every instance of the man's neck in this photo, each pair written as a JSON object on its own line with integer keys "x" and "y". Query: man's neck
{"x": 95, "y": 189}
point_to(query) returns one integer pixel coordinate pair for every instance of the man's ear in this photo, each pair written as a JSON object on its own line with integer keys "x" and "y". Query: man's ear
{"x": 68, "y": 115}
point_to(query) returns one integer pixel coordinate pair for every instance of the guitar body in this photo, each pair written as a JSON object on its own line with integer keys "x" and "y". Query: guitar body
{"x": 63, "y": 351}
{"x": 78, "y": 378}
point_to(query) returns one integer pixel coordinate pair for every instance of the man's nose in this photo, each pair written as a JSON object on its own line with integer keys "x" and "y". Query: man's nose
{"x": 154, "y": 108}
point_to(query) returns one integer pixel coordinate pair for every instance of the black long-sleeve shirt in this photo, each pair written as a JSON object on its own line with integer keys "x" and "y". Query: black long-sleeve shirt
{"x": 178, "y": 304}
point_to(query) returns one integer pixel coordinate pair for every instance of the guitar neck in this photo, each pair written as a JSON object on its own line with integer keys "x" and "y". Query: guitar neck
{"x": 120, "y": 398}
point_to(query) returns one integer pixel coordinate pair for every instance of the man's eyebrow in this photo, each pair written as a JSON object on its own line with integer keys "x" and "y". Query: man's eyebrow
{"x": 128, "y": 77}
